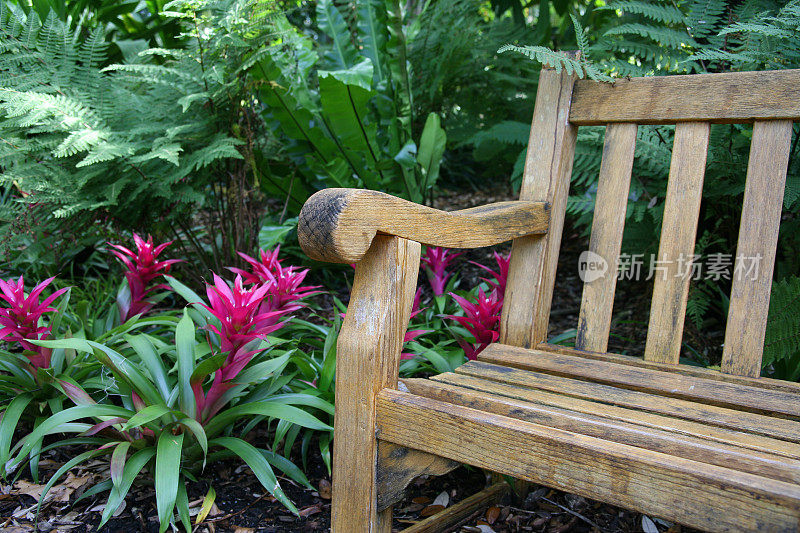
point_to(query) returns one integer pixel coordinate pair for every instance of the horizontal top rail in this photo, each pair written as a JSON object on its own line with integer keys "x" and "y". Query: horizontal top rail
{"x": 720, "y": 98}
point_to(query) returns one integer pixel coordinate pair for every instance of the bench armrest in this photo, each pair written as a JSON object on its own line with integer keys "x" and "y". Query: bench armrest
{"x": 338, "y": 225}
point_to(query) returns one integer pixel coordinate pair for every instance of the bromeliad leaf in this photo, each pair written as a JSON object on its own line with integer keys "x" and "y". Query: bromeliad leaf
{"x": 258, "y": 464}
{"x": 167, "y": 478}
{"x": 185, "y": 341}
{"x": 148, "y": 414}
{"x": 132, "y": 469}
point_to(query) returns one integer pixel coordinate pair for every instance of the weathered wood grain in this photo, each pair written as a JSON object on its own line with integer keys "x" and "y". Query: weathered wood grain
{"x": 687, "y": 370}
{"x": 612, "y": 412}
{"x": 661, "y": 440}
{"x": 398, "y": 466}
{"x": 725, "y": 98}
{"x": 548, "y": 166}
{"x": 675, "y": 488}
{"x": 368, "y": 355}
{"x": 707, "y": 391}
{"x": 338, "y": 225}
{"x": 709, "y": 414}
{"x": 594, "y": 321}
{"x": 455, "y": 514}
{"x": 676, "y": 248}
{"x": 758, "y": 239}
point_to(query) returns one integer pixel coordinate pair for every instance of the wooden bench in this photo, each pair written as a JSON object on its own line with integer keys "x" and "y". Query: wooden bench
{"x": 715, "y": 450}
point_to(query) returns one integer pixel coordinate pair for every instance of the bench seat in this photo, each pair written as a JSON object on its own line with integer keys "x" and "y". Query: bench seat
{"x": 650, "y": 439}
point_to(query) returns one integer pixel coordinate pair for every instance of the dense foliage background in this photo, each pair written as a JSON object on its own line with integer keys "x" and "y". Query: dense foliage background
{"x": 208, "y": 123}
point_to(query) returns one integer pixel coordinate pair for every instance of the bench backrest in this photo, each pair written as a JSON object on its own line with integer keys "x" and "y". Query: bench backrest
{"x": 769, "y": 100}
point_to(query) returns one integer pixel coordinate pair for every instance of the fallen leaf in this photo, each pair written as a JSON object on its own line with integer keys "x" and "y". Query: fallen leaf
{"x": 324, "y": 489}
{"x": 241, "y": 529}
{"x": 485, "y": 529}
{"x": 310, "y": 510}
{"x": 442, "y": 499}
{"x": 648, "y": 526}
{"x": 421, "y": 499}
{"x": 431, "y": 510}
{"x": 492, "y": 513}
{"x": 29, "y": 489}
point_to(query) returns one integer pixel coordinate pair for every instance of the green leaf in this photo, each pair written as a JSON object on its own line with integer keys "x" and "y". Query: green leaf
{"x": 185, "y": 341}
{"x": 118, "y": 458}
{"x": 133, "y": 466}
{"x": 182, "y": 503}
{"x": 431, "y": 149}
{"x": 8, "y": 424}
{"x": 167, "y": 479}
{"x": 206, "y": 367}
{"x": 271, "y": 236}
{"x": 148, "y": 414}
{"x": 332, "y": 23}
{"x": 75, "y": 392}
{"x": 199, "y": 433}
{"x": 126, "y": 371}
{"x": 258, "y": 464}
{"x": 152, "y": 361}
{"x": 265, "y": 408}
{"x": 191, "y": 297}
{"x": 287, "y": 467}
{"x": 59, "y": 419}
{"x": 371, "y": 23}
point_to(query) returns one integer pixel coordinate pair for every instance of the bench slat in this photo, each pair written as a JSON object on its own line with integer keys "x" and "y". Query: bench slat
{"x": 675, "y": 488}
{"x": 670, "y": 384}
{"x": 676, "y": 247}
{"x": 687, "y": 370}
{"x": 758, "y": 237}
{"x": 548, "y": 167}
{"x": 599, "y": 392}
{"x": 724, "y": 98}
{"x": 632, "y": 416}
{"x": 597, "y": 302}
{"x": 489, "y": 399}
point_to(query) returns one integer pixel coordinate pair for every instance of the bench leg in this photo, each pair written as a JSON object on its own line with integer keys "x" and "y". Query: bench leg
{"x": 368, "y": 355}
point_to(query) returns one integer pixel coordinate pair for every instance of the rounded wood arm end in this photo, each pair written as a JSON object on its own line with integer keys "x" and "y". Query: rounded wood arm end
{"x": 338, "y": 225}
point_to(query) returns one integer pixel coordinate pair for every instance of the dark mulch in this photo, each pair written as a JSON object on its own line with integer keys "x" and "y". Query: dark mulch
{"x": 243, "y": 506}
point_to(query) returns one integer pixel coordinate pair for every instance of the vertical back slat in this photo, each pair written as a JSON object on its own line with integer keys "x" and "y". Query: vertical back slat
{"x": 676, "y": 248}
{"x": 548, "y": 166}
{"x": 758, "y": 239}
{"x": 597, "y": 303}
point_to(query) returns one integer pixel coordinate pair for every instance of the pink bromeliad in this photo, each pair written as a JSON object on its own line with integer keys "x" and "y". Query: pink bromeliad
{"x": 245, "y": 320}
{"x": 142, "y": 268}
{"x": 500, "y": 277}
{"x": 481, "y": 318}
{"x": 412, "y": 334}
{"x": 285, "y": 284}
{"x": 436, "y": 261}
{"x": 20, "y": 322}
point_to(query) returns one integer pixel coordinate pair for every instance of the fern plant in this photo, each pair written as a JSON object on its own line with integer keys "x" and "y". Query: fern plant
{"x": 141, "y": 145}
{"x": 782, "y": 343}
{"x": 632, "y": 38}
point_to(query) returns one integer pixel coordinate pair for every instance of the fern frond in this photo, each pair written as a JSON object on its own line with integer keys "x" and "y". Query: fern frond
{"x": 660, "y": 34}
{"x": 668, "y": 14}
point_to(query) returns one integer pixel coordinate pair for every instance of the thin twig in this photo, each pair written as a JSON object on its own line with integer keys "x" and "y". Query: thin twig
{"x": 573, "y": 513}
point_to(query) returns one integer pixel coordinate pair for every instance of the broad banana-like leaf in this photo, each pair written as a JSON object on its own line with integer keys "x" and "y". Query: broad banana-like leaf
{"x": 343, "y": 55}
{"x": 372, "y": 34}
{"x": 345, "y": 95}
{"x": 407, "y": 159}
{"x": 431, "y": 148}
